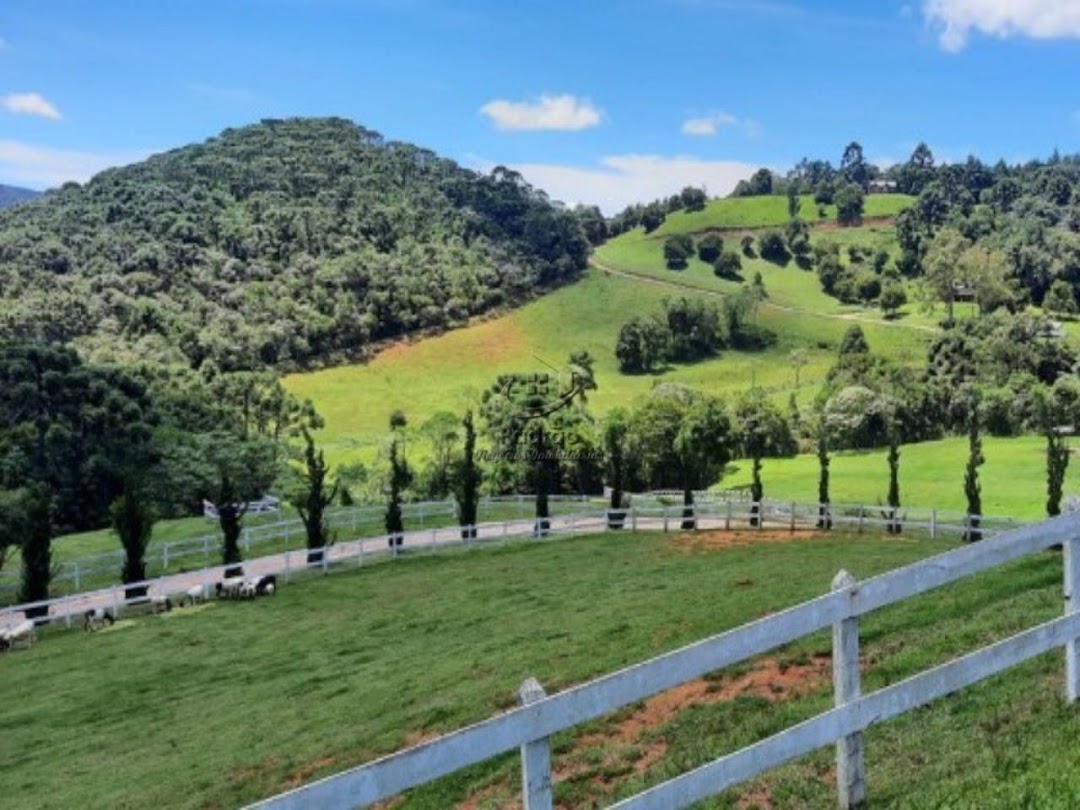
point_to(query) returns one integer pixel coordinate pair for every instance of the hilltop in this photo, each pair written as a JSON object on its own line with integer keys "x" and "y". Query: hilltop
{"x": 9, "y": 195}
{"x": 276, "y": 244}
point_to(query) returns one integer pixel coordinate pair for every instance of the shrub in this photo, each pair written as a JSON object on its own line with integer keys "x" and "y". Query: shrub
{"x": 728, "y": 265}
{"x": 677, "y": 250}
{"x": 772, "y": 248}
{"x": 710, "y": 247}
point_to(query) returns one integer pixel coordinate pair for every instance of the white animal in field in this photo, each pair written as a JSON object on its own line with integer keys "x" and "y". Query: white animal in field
{"x": 194, "y": 595}
{"x": 161, "y": 604}
{"x": 96, "y": 618}
{"x": 22, "y": 632}
{"x": 229, "y": 587}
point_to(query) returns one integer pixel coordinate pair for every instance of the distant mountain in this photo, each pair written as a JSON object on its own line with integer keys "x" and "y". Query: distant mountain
{"x": 9, "y": 195}
{"x": 276, "y": 244}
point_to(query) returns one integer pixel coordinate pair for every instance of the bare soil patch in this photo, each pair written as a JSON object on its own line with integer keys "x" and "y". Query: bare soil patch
{"x": 717, "y": 540}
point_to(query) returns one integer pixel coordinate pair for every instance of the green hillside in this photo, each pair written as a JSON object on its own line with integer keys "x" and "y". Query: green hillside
{"x": 9, "y": 195}
{"x": 450, "y": 371}
{"x": 736, "y": 213}
{"x": 275, "y": 244}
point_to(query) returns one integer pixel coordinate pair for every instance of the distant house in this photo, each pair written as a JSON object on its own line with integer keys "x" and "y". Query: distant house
{"x": 963, "y": 291}
{"x": 1052, "y": 329}
{"x": 267, "y": 504}
{"x": 882, "y": 187}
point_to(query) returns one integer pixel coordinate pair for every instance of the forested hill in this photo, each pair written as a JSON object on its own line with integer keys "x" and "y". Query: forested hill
{"x": 275, "y": 244}
{"x": 9, "y": 195}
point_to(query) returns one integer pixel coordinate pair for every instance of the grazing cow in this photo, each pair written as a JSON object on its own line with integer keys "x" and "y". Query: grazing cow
{"x": 95, "y": 618}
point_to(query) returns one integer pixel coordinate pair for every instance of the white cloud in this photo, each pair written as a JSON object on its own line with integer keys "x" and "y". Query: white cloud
{"x": 620, "y": 180}
{"x": 30, "y": 104}
{"x": 565, "y": 112}
{"x": 709, "y": 125}
{"x": 956, "y": 20}
{"x": 25, "y": 164}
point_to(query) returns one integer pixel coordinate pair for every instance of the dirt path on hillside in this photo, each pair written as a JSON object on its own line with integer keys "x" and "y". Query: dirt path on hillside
{"x": 850, "y": 317}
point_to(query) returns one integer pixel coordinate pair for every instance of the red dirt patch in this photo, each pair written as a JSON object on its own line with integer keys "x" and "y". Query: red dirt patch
{"x": 769, "y": 679}
{"x": 756, "y": 799}
{"x": 708, "y": 541}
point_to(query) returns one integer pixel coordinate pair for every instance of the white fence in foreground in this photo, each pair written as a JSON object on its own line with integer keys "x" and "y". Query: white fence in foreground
{"x": 529, "y": 727}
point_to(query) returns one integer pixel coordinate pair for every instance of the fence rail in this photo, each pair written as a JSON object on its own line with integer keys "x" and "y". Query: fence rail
{"x": 529, "y": 727}
{"x": 175, "y": 555}
{"x": 727, "y": 515}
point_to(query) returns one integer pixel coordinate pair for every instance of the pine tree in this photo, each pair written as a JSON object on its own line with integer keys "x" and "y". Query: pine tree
{"x": 972, "y": 488}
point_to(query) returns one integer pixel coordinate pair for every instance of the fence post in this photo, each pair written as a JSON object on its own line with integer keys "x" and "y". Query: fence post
{"x": 933, "y": 524}
{"x": 325, "y": 559}
{"x": 633, "y": 518}
{"x": 78, "y": 580}
{"x": 535, "y": 757}
{"x": 288, "y": 555}
{"x": 165, "y": 557}
{"x": 727, "y": 517}
{"x": 793, "y": 512}
{"x": 665, "y": 519}
{"x": 1072, "y": 605}
{"x": 862, "y": 517}
{"x": 850, "y": 770}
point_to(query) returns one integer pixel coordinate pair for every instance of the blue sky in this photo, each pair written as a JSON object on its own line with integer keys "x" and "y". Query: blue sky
{"x": 610, "y": 101}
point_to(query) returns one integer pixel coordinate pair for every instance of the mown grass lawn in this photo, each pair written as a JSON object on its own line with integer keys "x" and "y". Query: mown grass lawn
{"x": 213, "y": 707}
{"x": 1013, "y": 478}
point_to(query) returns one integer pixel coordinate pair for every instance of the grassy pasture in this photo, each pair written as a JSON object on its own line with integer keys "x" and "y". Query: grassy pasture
{"x": 732, "y": 213}
{"x": 450, "y": 371}
{"x": 931, "y": 475}
{"x": 216, "y": 706}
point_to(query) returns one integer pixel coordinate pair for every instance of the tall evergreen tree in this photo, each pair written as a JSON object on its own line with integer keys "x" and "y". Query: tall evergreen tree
{"x": 824, "y": 517}
{"x": 894, "y": 524}
{"x": 36, "y": 548}
{"x": 132, "y": 516}
{"x": 972, "y": 488}
{"x": 311, "y": 502}
{"x": 467, "y": 481}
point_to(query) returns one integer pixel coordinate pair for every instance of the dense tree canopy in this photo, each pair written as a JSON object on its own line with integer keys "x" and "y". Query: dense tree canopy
{"x": 274, "y": 244}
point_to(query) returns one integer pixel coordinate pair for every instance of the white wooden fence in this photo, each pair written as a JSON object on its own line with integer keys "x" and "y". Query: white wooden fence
{"x": 578, "y": 516}
{"x": 175, "y": 555}
{"x": 529, "y": 727}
